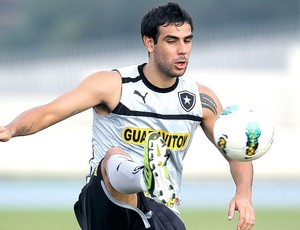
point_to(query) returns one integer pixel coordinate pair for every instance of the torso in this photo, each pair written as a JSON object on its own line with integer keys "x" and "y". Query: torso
{"x": 174, "y": 112}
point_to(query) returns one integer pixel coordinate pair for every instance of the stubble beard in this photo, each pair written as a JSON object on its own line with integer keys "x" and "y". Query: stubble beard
{"x": 166, "y": 69}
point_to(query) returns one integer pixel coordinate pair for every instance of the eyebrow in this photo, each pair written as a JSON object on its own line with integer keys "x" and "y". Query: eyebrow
{"x": 175, "y": 37}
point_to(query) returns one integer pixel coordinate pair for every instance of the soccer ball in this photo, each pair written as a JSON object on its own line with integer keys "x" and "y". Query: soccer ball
{"x": 243, "y": 134}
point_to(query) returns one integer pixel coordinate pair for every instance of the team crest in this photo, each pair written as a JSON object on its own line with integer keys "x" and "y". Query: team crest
{"x": 187, "y": 100}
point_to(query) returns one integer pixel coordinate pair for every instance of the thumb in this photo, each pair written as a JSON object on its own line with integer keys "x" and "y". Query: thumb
{"x": 231, "y": 211}
{"x": 5, "y": 134}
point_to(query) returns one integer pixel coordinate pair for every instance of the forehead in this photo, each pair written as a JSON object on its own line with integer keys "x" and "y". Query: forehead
{"x": 174, "y": 29}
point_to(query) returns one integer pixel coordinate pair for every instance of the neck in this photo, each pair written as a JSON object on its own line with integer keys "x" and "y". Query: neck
{"x": 157, "y": 78}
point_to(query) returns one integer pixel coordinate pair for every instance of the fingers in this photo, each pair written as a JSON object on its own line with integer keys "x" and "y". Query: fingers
{"x": 246, "y": 224}
{"x": 247, "y": 219}
{"x": 231, "y": 210}
{"x": 246, "y": 214}
{"x": 4, "y": 134}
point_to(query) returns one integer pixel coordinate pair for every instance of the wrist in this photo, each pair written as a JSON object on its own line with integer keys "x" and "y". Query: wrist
{"x": 244, "y": 193}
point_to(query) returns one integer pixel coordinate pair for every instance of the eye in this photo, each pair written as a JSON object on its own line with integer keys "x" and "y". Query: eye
{"x": 187, "y": 41}
{"x": 171, "y": 41}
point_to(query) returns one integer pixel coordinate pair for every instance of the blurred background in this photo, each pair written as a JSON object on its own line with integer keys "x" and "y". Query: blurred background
{"x": 248, "y": 52}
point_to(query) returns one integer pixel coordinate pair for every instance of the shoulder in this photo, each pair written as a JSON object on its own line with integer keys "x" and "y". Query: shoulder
{"x": 104, "y": 87}
{"x": 110, "y": 77}
{"x": 129, "y": 71}
{"x": 210, "y": 102}
{"x": 204, "y": 89}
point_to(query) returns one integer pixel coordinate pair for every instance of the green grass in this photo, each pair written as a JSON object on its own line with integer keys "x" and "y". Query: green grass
{"x": 38, "y": 220}
{"x": 265, "y": 219}
{"x": 194, "y": 220}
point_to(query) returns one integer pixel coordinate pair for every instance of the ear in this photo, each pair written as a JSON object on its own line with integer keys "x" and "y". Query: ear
{"x": 149, "y": 43}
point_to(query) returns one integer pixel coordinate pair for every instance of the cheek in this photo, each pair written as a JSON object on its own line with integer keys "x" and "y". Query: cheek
{"x": 163, "y": 55}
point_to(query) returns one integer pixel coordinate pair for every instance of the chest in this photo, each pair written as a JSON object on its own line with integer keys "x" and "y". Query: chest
{"x": 182, "y": 100}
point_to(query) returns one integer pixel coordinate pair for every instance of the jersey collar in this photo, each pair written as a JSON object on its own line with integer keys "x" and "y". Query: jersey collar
{"x": 153, "y": 87}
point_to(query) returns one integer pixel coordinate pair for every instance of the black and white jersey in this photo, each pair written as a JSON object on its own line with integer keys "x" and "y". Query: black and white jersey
{"x": 174, "y": 112}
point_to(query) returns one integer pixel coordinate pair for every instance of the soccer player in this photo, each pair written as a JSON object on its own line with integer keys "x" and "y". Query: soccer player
{"x": 144, "y": 120}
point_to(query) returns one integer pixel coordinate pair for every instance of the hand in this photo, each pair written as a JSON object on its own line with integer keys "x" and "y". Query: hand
{"x": 5, "y": 134}
{"x": 245, "y": 208}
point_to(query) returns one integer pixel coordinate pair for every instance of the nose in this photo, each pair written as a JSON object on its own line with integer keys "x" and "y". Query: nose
{"x": 182, "y": 48}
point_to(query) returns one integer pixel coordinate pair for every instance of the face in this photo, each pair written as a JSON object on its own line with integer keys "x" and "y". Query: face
{"x": 172, "y": 50}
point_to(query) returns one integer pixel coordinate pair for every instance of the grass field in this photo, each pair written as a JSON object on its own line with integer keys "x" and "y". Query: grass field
{"x": 194, "y": 220}
{"x": 265, "y": 220}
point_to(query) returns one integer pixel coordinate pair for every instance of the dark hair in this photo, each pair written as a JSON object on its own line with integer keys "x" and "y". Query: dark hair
{"x": 164, "y": 15}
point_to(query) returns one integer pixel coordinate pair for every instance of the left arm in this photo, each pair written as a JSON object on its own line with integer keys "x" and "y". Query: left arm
{"x": 242, "y": 172}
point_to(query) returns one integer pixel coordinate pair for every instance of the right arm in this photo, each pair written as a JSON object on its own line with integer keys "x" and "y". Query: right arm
{"x": 98, "y": 88}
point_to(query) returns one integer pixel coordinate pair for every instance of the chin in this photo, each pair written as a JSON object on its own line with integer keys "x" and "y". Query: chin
{"x": 180, "y": 73}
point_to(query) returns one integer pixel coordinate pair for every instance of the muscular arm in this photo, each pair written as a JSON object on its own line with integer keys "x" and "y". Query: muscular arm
{"x": 242, "y": 172}
{"x": 98, "y": 88}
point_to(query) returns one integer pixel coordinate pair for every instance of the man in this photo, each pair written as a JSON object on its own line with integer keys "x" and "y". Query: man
{"x": 144, "y": 120}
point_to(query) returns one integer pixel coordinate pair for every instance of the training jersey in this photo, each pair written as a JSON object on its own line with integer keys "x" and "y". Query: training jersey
{"x": 174, "y": 112}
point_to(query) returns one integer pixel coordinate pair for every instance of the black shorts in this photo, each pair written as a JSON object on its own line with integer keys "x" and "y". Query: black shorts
{"x": 97, "y": 210}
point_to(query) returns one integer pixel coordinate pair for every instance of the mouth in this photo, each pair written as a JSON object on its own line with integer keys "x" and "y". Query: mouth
{"x": 181, "y": 64}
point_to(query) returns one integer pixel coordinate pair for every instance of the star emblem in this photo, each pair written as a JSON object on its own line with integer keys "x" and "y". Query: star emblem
{"x": 187, "y": 100}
